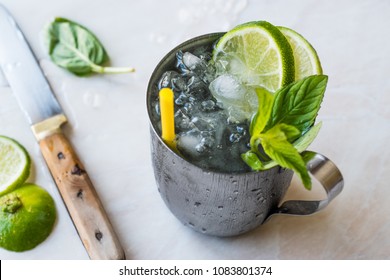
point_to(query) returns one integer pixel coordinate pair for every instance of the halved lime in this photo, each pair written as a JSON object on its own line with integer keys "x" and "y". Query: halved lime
{"x": 14, "y": 164}
{"x": 258, "y": 54}
{"x": 27, "y": 216}
{"x": 306, "y": 59}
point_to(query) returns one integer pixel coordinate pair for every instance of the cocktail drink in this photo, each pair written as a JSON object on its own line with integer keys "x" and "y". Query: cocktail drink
{"x": 206, "y": 134}
{"x": 219, "y": 178}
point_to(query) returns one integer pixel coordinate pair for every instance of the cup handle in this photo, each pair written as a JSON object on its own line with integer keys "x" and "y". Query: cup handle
{"x": 327, "y": 174}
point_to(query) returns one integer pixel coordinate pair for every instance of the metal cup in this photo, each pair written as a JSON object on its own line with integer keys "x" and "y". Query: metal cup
{"x": 227, "y": 204}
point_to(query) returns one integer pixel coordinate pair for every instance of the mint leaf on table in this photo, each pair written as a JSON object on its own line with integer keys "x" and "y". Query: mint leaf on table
{"x": 75, "y": 48}
{"x": 298, "y": 103}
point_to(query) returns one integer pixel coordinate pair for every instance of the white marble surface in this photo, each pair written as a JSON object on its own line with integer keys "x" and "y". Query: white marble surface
{"x": 108, "y": 126}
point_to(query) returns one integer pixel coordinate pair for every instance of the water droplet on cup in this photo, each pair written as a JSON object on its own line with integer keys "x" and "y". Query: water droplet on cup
{"x": 259, "y": 215}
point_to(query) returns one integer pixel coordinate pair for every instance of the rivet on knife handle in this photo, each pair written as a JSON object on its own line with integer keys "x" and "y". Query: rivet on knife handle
{"x": 77, "y": 191}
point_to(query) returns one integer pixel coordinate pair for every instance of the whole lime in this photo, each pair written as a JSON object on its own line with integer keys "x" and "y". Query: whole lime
{"x": 27, "y": 216}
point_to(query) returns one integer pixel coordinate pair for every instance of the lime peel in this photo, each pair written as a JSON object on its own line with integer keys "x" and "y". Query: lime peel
{"x": 30, "y": 222}
{"x": 12, "y": 205}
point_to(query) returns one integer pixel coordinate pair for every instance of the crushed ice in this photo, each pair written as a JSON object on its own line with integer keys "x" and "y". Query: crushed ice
{"x": 212, "y": 112}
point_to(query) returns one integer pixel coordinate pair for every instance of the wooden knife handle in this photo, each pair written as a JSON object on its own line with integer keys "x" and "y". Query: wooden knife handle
{"x": 81, "y": 199}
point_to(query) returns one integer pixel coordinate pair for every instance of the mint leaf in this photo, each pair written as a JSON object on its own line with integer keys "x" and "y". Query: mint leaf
{"x": 75, "y": 48}
{"x": 260, "y": 119}
{"x": 284, "y": 132}
{"x": 298, "y": 103}
{"x": 252, "y": 160}
{"x": 277, "y": 147}
{"x": 302, "y": 143}
{"x": 287, "y": 156}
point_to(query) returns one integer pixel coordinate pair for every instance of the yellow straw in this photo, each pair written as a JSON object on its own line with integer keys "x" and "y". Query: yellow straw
{"x": 167, "y": 117}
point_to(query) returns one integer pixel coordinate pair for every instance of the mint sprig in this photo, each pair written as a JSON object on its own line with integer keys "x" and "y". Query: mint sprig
{"x": 284, "y": 126}
{"x": 301, "y": 144}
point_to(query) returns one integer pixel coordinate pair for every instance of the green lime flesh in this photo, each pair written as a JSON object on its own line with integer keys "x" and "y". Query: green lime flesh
{"x": 15, "y": 164}
{"x": 307, "y": 62}
{"x": 258, "y": 54}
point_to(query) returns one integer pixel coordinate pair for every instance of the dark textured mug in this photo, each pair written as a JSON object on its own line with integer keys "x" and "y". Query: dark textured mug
{"x": 227, "y": 204}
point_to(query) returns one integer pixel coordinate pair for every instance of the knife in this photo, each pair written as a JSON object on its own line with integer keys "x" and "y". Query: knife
{"x": 45, "y": 115}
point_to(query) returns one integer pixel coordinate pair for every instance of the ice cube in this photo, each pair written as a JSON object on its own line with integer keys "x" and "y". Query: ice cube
{"x": 239, "y": 100}
{"x": 208, "y": 141}
{"x": 180, "y": 64}
{"x": 179, "y": 83}
{"x": 200, "y": 148}
{"x": 238, "y": 114}
{"x": 166, "y": 79}
{"x": 241, "y": 129}
{"x": 231, "y": 64}
{"x": 208, "y": 105}
{"x": 197, "y": 87}
{"x": 219, "y": 105}
{"x": 209, "y": 74}
{"x": 181, "y": 100}
{"x": 203, "y": 53}
{"x": 235, "y": 137}
{"x": 206, "y": 134}
{"x": 182, "y": 121}
{"x": 227, "y": 89}
{"x": 190, "y": 64}
{"x": 187, "y": 142}
{"x": 220, "y": 66}
{"x": 193, "y": 63}
{"x": 202, "y": 124}
{"x": 188, "y": 108}
{"x": 173, "y": 80}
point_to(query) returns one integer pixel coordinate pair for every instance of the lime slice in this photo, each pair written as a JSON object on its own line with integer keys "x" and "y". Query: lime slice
{"x": 258, "y": 54}
{"x": 306, "y": 59}
{"x": 27, "y": 216}
{"x": 14, "y": 164}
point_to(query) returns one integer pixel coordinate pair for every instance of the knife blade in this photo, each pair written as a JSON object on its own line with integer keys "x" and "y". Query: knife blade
{"x": 46, "y": 117}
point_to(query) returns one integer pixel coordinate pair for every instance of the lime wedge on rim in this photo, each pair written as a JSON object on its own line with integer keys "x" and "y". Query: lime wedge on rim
{"x": 306, "y": 59}
{"x": 258, "y": 54}
{"x": 27, "y": 217}
{"x": 15, "y": 164}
